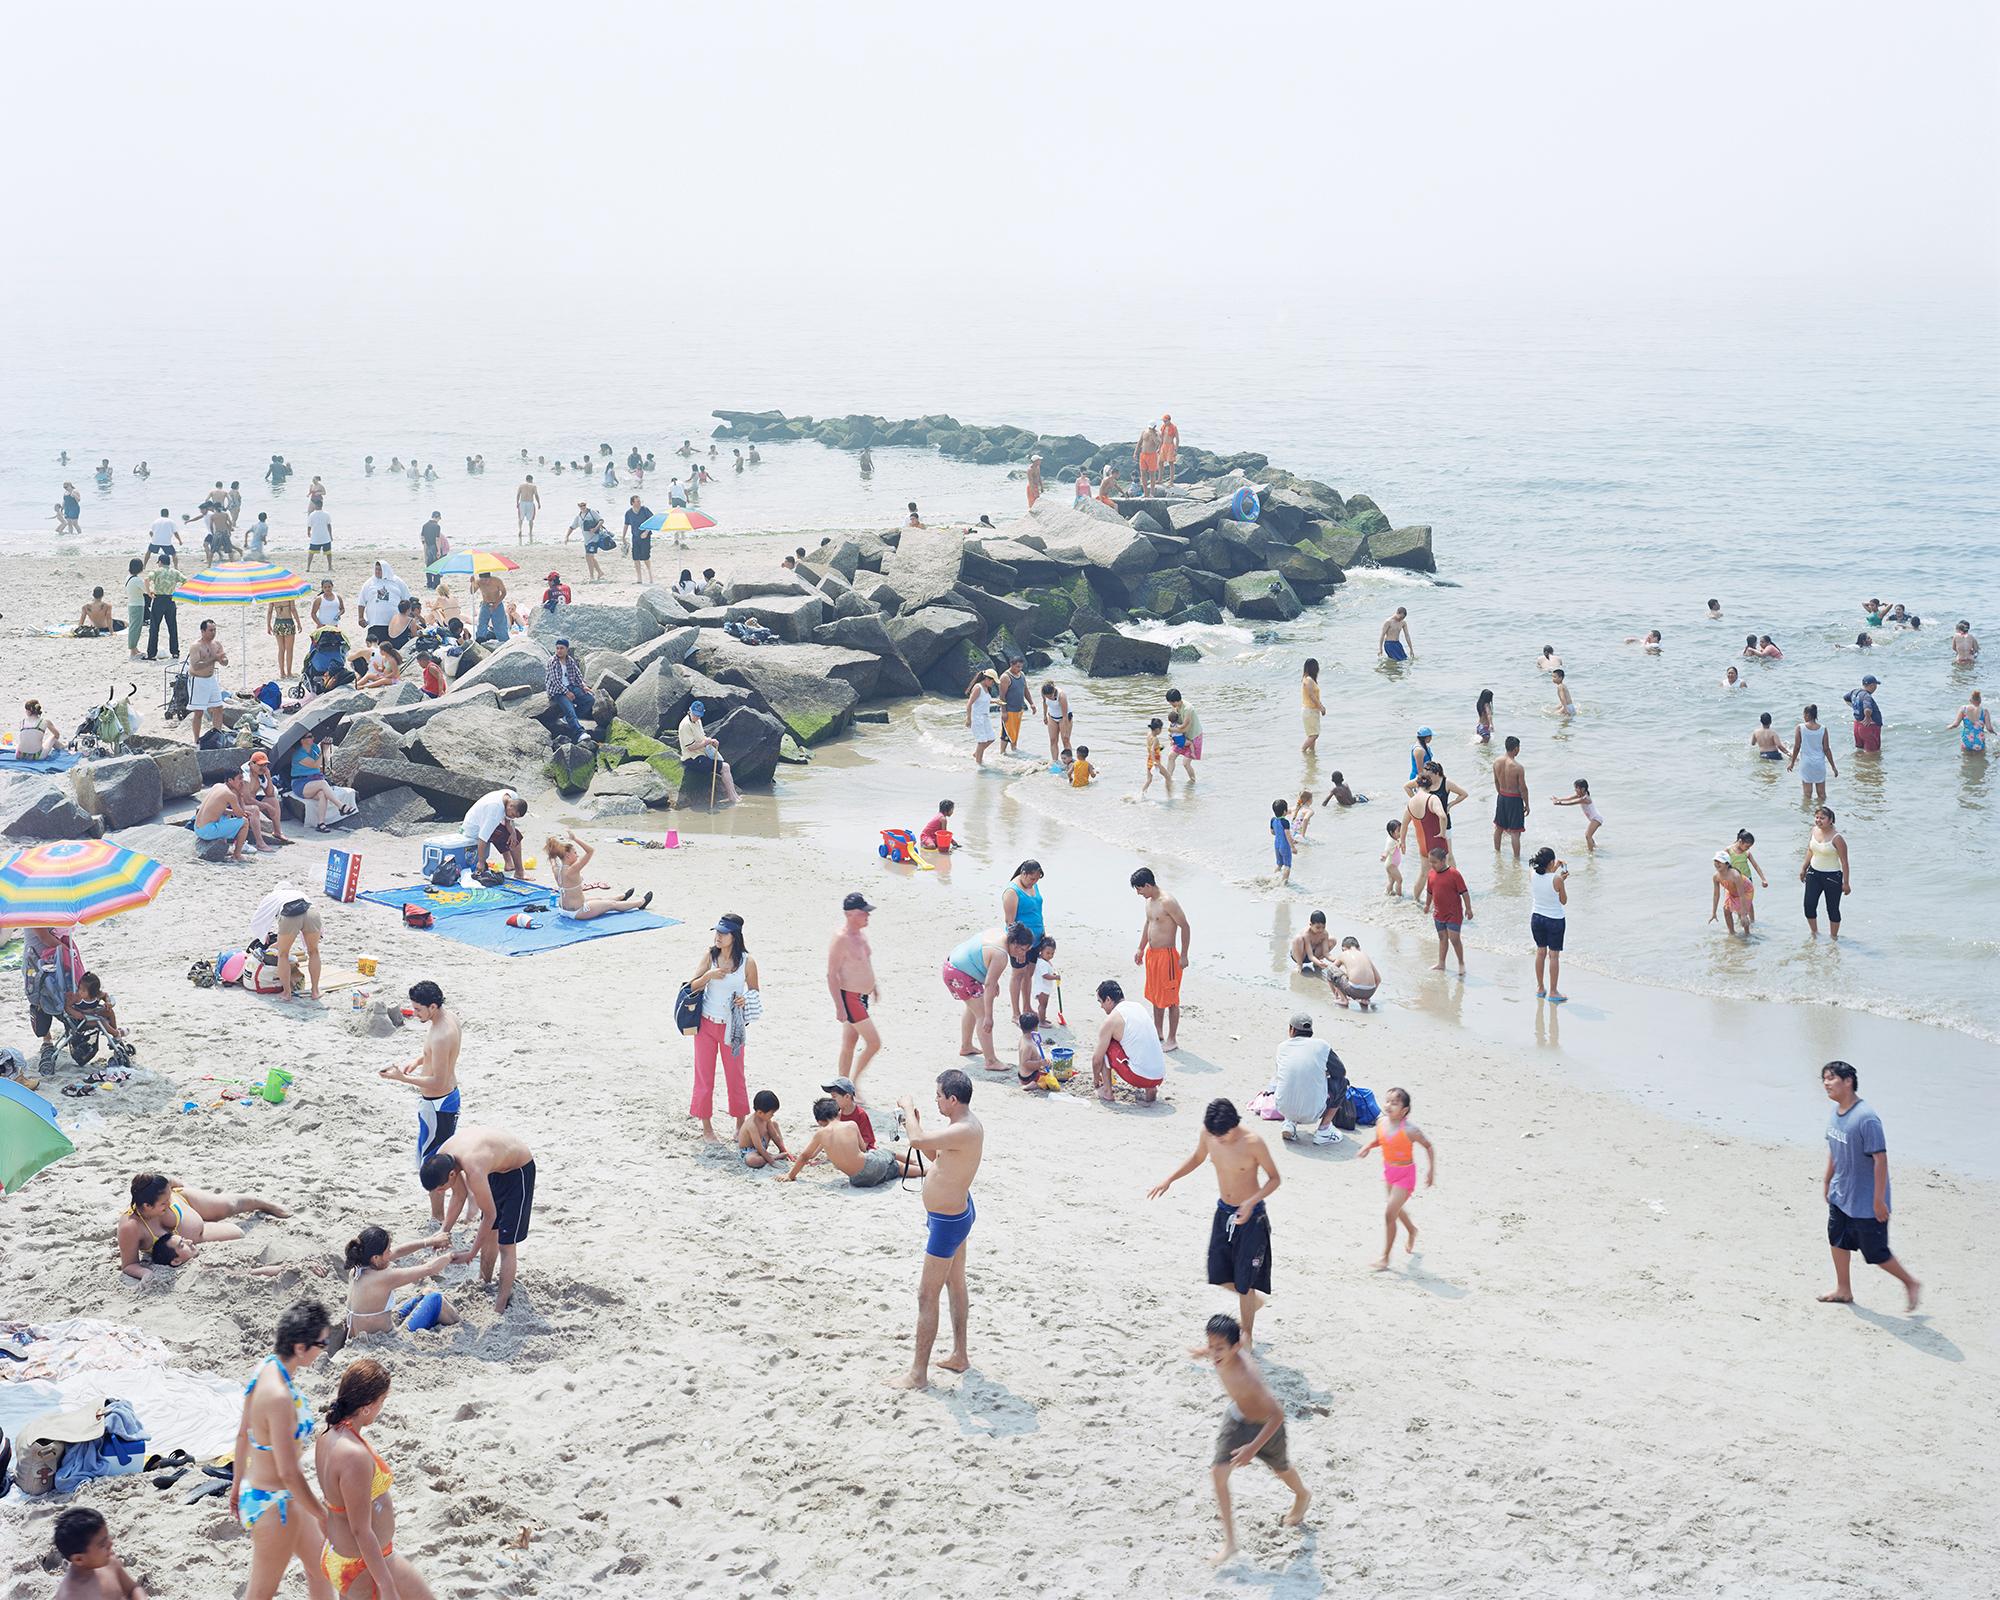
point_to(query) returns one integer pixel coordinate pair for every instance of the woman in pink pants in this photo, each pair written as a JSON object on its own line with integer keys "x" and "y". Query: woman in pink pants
{"x": 726, "y": 974}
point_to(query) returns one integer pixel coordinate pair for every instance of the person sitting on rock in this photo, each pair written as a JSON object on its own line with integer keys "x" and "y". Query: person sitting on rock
{"x": 700, "y": 754}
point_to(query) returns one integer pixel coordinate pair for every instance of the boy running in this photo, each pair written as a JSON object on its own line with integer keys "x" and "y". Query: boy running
{"x": 1253, "y": 1429}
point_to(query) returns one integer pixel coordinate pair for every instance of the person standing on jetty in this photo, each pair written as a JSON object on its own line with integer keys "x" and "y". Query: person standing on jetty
{"x": 1170, "y": 447}
{"x": 1510, "y": 797}
{"x": 1395, "y": 640}
{"x": 850, "y": 979}
{"x": 527, "y": 501}
{"x": 1253, "y": 1429}
{"x": 1313, "y": 707}
{"x": 954, "y": 1151}
{"x": 1034, "y": 479}
{"x": 1856, "y": 1187}
{"x": 1165, "y": 926}
{"x": 1239, "y": 1232}
{"x": 1148, "y": 452}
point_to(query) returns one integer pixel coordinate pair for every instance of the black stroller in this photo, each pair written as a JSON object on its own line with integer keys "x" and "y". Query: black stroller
{"x": 326, "y": 664}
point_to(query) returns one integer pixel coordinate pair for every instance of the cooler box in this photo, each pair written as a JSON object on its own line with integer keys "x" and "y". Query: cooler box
{"x": 449, "y": 847}
{"x": 343, "y": 874}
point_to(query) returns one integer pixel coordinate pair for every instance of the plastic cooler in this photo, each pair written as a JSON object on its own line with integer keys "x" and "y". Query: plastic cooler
{"x": 449, "y": 847}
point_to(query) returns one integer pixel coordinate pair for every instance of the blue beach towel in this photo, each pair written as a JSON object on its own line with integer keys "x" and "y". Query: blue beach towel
{"x": 489, "y": 931}
{"x": 466, "y": 899}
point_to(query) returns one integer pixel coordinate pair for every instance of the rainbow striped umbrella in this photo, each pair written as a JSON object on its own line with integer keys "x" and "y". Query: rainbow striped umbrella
{"x": 243, "y": 583}
{"x": 75, "y": 881}
{"x": 472, "y": 563}
{"x": 676, "y": 521}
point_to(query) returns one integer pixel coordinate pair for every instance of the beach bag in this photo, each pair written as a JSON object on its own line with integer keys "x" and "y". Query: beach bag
{"x": 1338, "y": 1090}
{"x": 416, "y": 916}
{"x": 445, "y": 874}
{"x": 488, "y": 878}
{"x": 687, "y": 1010}
{"x": 1362, "y": 1103}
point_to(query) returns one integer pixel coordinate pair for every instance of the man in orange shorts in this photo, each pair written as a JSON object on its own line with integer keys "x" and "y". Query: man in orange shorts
{"x": 1163, "y": 952}
{"x": 1170, "y": 446}
{"x": 1149, "y": 459}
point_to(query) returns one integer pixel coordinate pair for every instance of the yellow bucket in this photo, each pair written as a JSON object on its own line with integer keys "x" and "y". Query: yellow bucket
{"x": 365, "y": 965}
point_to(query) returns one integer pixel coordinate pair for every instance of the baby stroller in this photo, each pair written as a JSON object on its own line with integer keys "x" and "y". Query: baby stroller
{"x": 104, "y": 729}
{"x": 326, "y": 663}
{"x": 179, "y": 693}
{"x": 50, "y": 982}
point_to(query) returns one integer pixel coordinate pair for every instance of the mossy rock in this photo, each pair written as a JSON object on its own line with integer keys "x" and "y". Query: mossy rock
{"x": 1161, "y": 594}
{"x": 1366, "y": 522}
{"x": 789, "y": 749}
{"x": 570, "y": 768}
{"x": 638, "y": 746}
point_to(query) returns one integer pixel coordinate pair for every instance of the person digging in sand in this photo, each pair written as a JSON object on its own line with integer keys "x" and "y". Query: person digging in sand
{"x": 1253, "y": 1429}
{"x": 495, "y": 1170}
{"x": 1394, "y": 1135}
{"x": 1239, "y": 1234}
{"x": 568, "y": 856}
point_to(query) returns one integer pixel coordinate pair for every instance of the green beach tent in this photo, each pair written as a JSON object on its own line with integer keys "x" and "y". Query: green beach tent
{"x": 29, "y": 1137}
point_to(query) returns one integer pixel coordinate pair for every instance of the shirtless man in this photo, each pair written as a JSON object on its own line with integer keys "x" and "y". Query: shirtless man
{"x": 1239, "y": 1236}
{"x": 840, "y": 1141}
{"x": 527, "y": 501}
{"x": 1253, "y": 1428}
{"x": 1964, "y": 647}
{"x": 492, "y": 608}
{"x": 1170, "y": 447}
{"x": 1149, "y": 459}
{"x": 1312, "y": 951}
{"x": 495, "y": 1170}
{"x": 434, "y": 1075}
{"x": 1353, "y": 976}
{"x": 1510, "y": 797}
{"x": 954, "y": 1151}
{"x": 1165, "y": 925}
{"x": 220, "y": 816}
{"x": 1395, "y": 641}
{"x": 1034, "y": 478}
{"x": 850, "y": 979}
{"x": 96, "y": 612}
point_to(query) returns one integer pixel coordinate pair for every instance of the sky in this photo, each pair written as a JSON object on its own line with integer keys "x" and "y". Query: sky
{"x": 512, "y": 159}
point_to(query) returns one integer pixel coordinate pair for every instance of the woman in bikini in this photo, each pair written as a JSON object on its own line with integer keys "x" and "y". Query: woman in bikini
{"x": 567, "y": 859}
{"x": 358, "y": 1554}
{"x": 163, "y": 1207}
{"x": 374, "y": 1280}
{"x": 281, "y": 622}
{"x": 268, "y": 1493}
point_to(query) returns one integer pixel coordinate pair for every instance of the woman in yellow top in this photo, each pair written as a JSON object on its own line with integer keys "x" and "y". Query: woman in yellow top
{"x": 1395, "y": 1135}
{"x": 163, "y": 1206}
{"x": 359, "y": 1554}
{"x": 1825, "y": 871}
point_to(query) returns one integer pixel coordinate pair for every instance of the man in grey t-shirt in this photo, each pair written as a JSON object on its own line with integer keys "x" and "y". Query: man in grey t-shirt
{"x": 1856, "y": 1186}
{"x": 1013, "y": 703}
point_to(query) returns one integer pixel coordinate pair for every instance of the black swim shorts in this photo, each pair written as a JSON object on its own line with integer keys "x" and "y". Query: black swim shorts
{"x": 513, "y": 1202}
{"x": 1865, "y": 1234}
{"x": 1240, "y": 1253}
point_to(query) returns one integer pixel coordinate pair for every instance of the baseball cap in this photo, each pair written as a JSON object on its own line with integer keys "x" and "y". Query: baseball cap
{"x": 1423, "y": 733}
{"x": 696, "y": 709}
{"x": 839, "y": 1086}
{"x": 1302, "y": 1022}
{"x": 562, "y": 641}
{"x": 856, "y": 901}
{"x": 1871, "y": 678}
{"x": 259, "y": 759}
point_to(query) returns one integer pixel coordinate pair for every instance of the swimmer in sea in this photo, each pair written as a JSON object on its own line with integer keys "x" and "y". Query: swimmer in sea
{"x": 1549, "y": 661}
{"x": 1341, "y": 795}
{"x": 1395, "y": 641}
{"x": 1732, "y": 679}
{"x": 1764, "y": 739}
{"x": 1482, "y": 717}
{"x": 1651, "y": 641}
{"x": 1581, "y": 797}
{"x": 1565, "y": 707}
{"x": 1715, "y": 611}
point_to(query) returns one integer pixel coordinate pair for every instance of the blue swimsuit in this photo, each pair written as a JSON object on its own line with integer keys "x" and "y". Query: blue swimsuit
{"x": 253, "y": 1503}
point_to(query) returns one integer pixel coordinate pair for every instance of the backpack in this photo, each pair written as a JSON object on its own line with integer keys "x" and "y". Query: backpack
{"x": 445, "y": 874}
{"x": 416, "y": 916}
{"x": 1361, "y": 1102}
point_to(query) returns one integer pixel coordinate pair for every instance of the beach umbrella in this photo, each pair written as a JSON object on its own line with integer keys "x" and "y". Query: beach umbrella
{"x": 75, "y": 881}
{"x": 470, "y": 563}
{"x": 29, "y": 1137}
{"x": 244, "y": 584}
{"x": 676, "y": 521}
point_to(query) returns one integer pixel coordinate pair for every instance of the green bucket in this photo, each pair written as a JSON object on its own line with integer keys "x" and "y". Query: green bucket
{"x": 275, "y": 1086}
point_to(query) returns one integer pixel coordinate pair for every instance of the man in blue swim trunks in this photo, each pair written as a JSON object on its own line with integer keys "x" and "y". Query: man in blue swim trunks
{"x": 952, "y": 1153}
{"x": 219, "y": 818}
{"x": 1397, "y": 644}
{"x": 434, "y": 1075}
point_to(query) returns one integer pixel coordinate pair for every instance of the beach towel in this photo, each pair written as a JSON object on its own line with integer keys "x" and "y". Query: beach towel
{"x": 54, "y": 761}
{"x": 489, "y": 930}
{"x": 464, "y": 899}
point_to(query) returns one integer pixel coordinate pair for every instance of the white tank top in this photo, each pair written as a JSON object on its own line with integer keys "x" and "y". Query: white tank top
{"x": 1542, "y": 896}
{"x": 1143, "y": 1054}
{"x": 717, "y": 993}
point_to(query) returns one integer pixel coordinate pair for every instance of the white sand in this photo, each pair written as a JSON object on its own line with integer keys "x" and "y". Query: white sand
{"x": 1605, "y": 1375}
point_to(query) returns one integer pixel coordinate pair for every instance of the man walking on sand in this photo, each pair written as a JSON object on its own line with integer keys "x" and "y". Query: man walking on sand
{"x": 1239, "y": 1233}
{"x": 434, "y": 1075}
{"x": 1856, "y": 1186}
{"x": 496, "y": 1171}
{"x": 1253, "y": 1429}
{"x": 954, "y": 1151}
{"x": 1510, "y": 797}
{"x": 850, "y": 979}
{"x": 1396, "y": 642}
{"x": 527, "y": 501}
{"x": 1165, "y": 926}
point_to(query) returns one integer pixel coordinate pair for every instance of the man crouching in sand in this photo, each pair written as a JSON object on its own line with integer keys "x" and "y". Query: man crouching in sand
{"x": 496, "y": 1171}
{"x": 1253, "y": 1429}
{"x": 954, "y": 1151}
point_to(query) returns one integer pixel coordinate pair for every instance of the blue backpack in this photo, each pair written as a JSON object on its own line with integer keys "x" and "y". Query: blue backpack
{"x": 1362, "y": 1103}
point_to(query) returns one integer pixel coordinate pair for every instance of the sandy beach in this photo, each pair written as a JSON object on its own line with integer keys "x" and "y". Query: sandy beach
{"x": 1605, "y": 1372}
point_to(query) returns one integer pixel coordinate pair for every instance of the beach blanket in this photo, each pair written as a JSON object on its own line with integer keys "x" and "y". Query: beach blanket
{"x": 465, "y": 898}
{"x": 489, "y": 931}
{"x": 54, "y": 761}
{"x": 84, "y": 1362}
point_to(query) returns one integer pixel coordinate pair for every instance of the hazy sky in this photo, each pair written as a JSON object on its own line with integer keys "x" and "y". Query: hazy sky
{"x": 513, "y": 158}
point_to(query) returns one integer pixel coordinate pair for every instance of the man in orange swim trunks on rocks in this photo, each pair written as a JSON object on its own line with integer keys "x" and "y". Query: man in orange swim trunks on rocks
{"x": 1166, "y": 926}
{"x": 1149, "y": 459}
{"x": 1170, "y": 446}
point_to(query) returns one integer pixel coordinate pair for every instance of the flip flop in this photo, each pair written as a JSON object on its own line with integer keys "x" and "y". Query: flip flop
{"x": 212, "y": 1488}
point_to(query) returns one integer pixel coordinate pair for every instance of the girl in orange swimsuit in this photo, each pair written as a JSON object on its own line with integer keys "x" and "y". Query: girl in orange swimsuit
{"x": 347, "y": 1465}
{"x": 1395, "y": 1137}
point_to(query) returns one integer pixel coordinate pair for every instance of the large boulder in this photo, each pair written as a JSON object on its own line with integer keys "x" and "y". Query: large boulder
{"x": 124, "y": 791}
{"x": 805, "y": 686}
{"x": 780, "y": 582}
{"x": 867, "y": 632}
{"x": 1287, "y": 512}
{"x": 844, "y": 558}
{"x": 983, "y": 571}
{"x": 1189, "y": 517}
{"x": 1306, "y": 564}
{"x": 401, "y": 812}
{"x": 659, "y": 698}
{"x": 520, "y": 663}
{"x": 37, "y": 809}
{"x": 664, "y": 606}
{"x": 1364, "y": 515}
{"x": 999, "y": 610}
{"x": 1262, "y": 597}
{"x": 925, "y": 567}
{"x": 750, "y": 741}
{"x": 1342, "y": 546}
{"x": 1091, "y": 535}
{"x": 1205, "y": 612}
{"x": 1030, "y": 563}
{"x": 319, "y": 715}
{"x": 635, "y": 780}
{"x": 1161, "y": 594}
{"x": 180, "y": 772}
{"x": 791, "y": 617}
{"x": 483, "y": 742}
{"x": 955, "y": 667}
{"x": 1408, "y": 548}
{"x": 1119, "y": 655}
{"x": 451, "y": 794}
{"x": 879, "y": 592}
{"x": 595, "y": 627}
{"x": 406, "y": 719}
{"x": 922, "y": 636}
{"x": 598, "y": 663}
{"x": 367, "y": 738}
{"x": 673, "y": 645}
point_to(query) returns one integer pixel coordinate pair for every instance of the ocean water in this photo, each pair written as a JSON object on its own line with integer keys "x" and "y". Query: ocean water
{"x": 1591, "y": 471}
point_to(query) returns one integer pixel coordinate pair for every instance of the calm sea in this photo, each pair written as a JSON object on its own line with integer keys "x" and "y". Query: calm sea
{"x": 1590, "y": 473}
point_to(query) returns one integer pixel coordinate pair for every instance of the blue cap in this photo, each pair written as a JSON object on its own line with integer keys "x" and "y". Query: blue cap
{"x": 1423, "y": 733}
{"x": 696, "y": 709}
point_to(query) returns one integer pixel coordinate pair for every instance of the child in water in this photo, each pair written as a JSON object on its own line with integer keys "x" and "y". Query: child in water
{"x": 1155, "y": 753}
{"x": 1395, "y": 1134}
{"x": 1565, "y": 707}
{"x": 1392, "y": 858}
{"x": 1302, "y": 815}
{"x": 1341, "y": 795}
{"x": 1080, "y": 769}
{"x": 1281, "y": 840}
{"x": 1582, "y": 798}
{"x": 1731, "y": 890}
